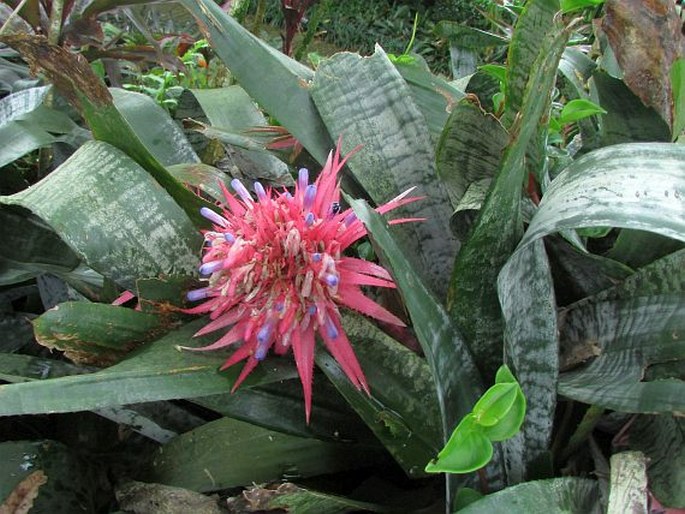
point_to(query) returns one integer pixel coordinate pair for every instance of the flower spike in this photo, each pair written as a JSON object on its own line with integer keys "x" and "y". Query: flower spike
{"x": 276, "y": 274}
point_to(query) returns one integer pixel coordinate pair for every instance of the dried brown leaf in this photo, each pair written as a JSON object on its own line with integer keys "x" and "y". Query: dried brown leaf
{"x": 646, "y": 38}
{"x": 20, "y": 500}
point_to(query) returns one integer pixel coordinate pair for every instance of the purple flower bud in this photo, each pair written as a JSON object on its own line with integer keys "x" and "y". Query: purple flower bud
{"x": 309, "y": 219}
{"x": 350, "y": 218}
{"x": 259, "y": 189}
{"x": 198, "y": 294}
{"x": 212, "y": 216}
{"x": 302, "y": 178}
{"x": 331, "y": 329}
{"x": 239, "y": 188}
{"x": 316, "y": 257}
{"x": 309, "y": 196}
{"x": 210, "y": 267}
{"x": 332, "y": 280}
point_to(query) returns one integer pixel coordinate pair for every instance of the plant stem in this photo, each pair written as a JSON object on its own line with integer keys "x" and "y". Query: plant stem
{"x": 55, "y": 29}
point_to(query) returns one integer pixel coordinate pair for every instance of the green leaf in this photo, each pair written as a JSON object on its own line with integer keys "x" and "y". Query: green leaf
{"x": 533, "y": 26}
{"x": 526, "y": 294}
{"x": 466, "y": 451}
{"x": 568, "y": 495}
{"x": 631, "y": 334}
{"x": 76, "y": 81}
{"x": 677, "y": 76}
{"x": 573, "y": 5}
{"x": 402, "y": 409}
{"x": 627, "y": 120}
{"x": 25, "y": 368}
{"x": 279, "y": 406}
{"x": 637, "y": 248}
{"x": 114, "y": 216}
{"x": 275, "y": 81}
{"x": 495, "y": 404}
{"x": 497, "y": 71}
{"x": 468, "y": 37}
{"x": 229, "y": 453}
{"x": 304, "y": 501}
{"x": 157, "y": 371}
{"x": 157, "y": 131}
{"x": 434, "y": 96}
{"x": 95, "y": 333}
{"x": 510, "y": 424}
{"x": 30, "y": 247}
{"x": 472, "y": 302}
{"x": 579, "y": 109}
{"x": 469, "y": 150}
{"x": 355, "y": 98}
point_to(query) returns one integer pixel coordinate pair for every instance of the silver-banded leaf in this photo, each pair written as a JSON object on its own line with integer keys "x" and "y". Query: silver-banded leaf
{"x": 528, "y": 302}
{"x": 630, "y": 335}
{"x": 114, "y": 215}
{"x": 157, "y": 371}
{"x": 568, "y": 495}
{"x": 367, "y": 103}
{"x": 639, "y": 186}
{"x": 527, "y": 43}
{"x": 275, "y": 81}
{"x": 434, "y": 96}
{"x": 155, "y": 128}
{"x": 230, "y": 453}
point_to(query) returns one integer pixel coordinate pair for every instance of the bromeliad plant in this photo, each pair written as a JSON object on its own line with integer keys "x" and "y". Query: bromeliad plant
{"x": 502, "y": 269}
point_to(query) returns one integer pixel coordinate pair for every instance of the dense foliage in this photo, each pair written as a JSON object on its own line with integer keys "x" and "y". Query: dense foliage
{"x": 528, "y": 338}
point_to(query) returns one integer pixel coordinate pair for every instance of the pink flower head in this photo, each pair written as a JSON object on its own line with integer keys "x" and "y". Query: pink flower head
{"x": 276, "y": 274}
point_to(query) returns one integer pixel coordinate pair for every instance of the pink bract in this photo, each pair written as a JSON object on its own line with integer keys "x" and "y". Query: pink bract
{"x": 277, "y": 274}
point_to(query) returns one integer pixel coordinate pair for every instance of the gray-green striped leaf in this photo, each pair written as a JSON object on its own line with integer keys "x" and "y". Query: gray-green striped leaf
{"x": 366, "y": 101}
{"x": 114, "y": 216}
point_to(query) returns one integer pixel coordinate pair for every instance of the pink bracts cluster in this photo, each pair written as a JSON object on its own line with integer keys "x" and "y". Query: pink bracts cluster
{"x": 277, "y": 274}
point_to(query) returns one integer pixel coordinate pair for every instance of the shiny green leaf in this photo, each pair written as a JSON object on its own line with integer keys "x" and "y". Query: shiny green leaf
{"x": 677, "y": 75}
{"x": 495, "y": 404}
{"x": 574, "y": 5}
{"x": 578, "y": 109}
{"x": 466, "y": 450}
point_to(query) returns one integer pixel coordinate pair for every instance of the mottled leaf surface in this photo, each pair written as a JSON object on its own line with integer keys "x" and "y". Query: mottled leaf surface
{"x": 366, "y": 101}
{"x": 114, "y": 216}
